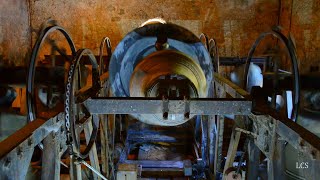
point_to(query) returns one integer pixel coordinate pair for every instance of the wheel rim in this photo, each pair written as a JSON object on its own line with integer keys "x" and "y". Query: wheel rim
{"x": 32, "y": 66}
{"x": 71, "y": 107}
{"x": 290, "y": 49}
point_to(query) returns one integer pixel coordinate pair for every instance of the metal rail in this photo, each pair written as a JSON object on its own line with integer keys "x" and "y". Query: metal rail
{"x": 203, "y": 106}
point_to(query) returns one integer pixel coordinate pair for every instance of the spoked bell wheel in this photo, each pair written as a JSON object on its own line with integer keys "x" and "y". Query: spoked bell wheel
{"x": 277, "y": 74}
{"x": 32, "y": 99}
{"x": 204, "y": 40}
{"x": 105, "y": 43}
{"x": 213, "y": 50}
{"x": 214, "y": 53}
{"x": 77, "y": 116}
{"x": 31, "y": 96}
{"x": 107, "y": 123}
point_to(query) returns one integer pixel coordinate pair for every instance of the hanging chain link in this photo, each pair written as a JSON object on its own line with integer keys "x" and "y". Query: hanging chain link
{"x": 67, "y": 108}
{"x": 69, "y": 87}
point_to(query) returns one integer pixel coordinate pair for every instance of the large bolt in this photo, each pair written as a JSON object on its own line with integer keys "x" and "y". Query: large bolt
{"x": 7, "y": 162}
{"x": 30, "y": 142}
{"x": 266, "y": 147}
{"x": 301, "y": 143}
{"x": 165, "y": 115}
{"x": 314, "y": 154}
{"x": 53, "y": 135}
{"x": 19, "y": 151}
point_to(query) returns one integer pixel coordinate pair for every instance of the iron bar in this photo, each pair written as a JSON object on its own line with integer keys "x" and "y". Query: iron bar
{"x": 93, "y": 170}
{"x": 154, "y": 106}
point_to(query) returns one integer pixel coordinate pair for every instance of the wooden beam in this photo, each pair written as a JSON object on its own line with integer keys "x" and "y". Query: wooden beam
{"x": 93, "y": 155}
{"x": 50, "y": 168}
{"x": 232, "y": 150}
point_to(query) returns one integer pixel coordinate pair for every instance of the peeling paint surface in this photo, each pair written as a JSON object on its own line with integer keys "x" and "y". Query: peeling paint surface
{"x": 302, "y": 19}
{"x": 14, "y": 32}
{"x": 246, "y": 19}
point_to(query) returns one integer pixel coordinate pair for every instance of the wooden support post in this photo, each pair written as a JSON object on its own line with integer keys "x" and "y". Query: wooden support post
{"x": 232, "y": 150}
{"x": 93, "y": 155}
{"x": 50, "y": 157}
{"x": 254, "y": 160}
{"x": 314, "y": 169}
{"x": 111, "y": 124}
{"x": 212, "y": 134}
{"x": 273, "y": 156}
{"x": 104, "y": 128}
{"x": 75, "y": 169}
{"x": 220, "y": 92}
{"x": 205, "y": 140}
{"x": 218, "y": 144}
{"x": 278, "y": 161}
{"x": 16, "y": 165}
{"x": 270, "y": 170}
{"x": 104, "y": 145}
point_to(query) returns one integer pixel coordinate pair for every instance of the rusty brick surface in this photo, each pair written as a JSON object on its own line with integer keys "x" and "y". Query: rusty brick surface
{"x": 14, "y": 32}
{"x": 235, "y": 24}
{"x": 302, "y": 20}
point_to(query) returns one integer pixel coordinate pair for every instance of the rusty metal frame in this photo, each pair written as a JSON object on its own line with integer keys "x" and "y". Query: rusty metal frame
{"x": 16, "y": 150}
{"x": 270, "y": 133}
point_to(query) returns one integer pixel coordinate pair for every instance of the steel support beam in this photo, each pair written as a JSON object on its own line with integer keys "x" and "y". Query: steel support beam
{"x": 224, "y": 106}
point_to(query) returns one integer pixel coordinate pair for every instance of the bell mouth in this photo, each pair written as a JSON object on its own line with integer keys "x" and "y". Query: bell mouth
{"x": 159, "y": 60}
{"x": 169, "y": 73}
{"x": 172, "y": 87}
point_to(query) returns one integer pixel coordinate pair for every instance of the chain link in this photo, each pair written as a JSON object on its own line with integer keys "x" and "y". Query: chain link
{"x": 67, "y": 108}
{"x": 96, "y": 85}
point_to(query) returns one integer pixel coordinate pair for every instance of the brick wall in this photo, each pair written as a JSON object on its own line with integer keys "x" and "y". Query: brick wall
{"x": 14, "y": 32}
{"x": 301, "y": 18}
{"x": 234, "y": 24}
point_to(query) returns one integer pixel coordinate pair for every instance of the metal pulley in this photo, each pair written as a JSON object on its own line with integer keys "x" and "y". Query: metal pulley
{"x": 164, "y": 61}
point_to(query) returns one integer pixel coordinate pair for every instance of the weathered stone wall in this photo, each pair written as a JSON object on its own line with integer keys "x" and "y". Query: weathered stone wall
{"x": 14, "y": 32}
{"x": 235, "y": 24}
{"x": 302, "y": 19}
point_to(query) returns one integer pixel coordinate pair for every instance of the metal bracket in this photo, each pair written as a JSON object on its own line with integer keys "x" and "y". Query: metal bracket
{"x": 187, "y": 108}
{"x": 165, "y": 108}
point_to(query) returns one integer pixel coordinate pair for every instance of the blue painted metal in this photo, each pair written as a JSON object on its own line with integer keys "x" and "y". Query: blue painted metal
{"x": 156, "y": 164}
{"x": 204, "y": 143}
{"x": 140, "y": 43}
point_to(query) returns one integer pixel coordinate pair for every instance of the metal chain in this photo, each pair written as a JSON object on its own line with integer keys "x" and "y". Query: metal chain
{"x": 69, "y": 86}
{"x": 67, "y": 106}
